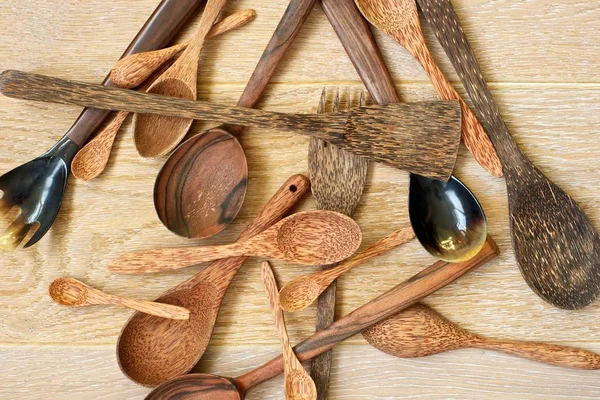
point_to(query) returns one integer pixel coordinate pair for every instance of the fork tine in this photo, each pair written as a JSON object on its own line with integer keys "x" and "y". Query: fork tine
{"x": 362, "y": 99}
{"x": 14, "y": 234}
{"x": 336, "y": 101}
{"x": 321, "y": 107}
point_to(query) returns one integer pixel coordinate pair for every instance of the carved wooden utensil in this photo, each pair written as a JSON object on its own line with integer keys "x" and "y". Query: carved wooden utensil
{"x": 400, "y": 20}
{"x": 419, "y": 331}
{"x": 298, "y": 384}
{"x": 152, "y": 350}
{"x": 73, "y": 293}
{"x": 555, "y": 243}
{"x": 418, "y": 137}
{"x": 310, "y": 237}
{"x": 155, "y": 135}
{"x": 436, "y": 276}
{"x": 300, "y": 292}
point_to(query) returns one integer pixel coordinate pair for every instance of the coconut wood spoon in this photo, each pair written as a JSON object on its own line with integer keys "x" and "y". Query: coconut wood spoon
{"x": 73, "y": 293}
{"x": 420, "y": 331}
{"x": 154, "y": 135}
{"x": 298, "y": 384}
{"x": 301, "y": 292}
{"x": 400, "y": 20}
{"x": 133, "y": 70}
{"x": 310, "y": 237}
{"x": 214, "y": 387}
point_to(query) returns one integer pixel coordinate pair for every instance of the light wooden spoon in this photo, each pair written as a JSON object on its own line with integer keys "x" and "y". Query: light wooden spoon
{"x": 298, "y": 384}
{"x": 301, "y": 292}
{"x": 133, "y": 70}
{"x": 156, "y": 136}
{"x": 420, "y": 331}
{"x": 74, "y": 293}
{"x": 311, "y": 237}
{"x": 400, "y": 20}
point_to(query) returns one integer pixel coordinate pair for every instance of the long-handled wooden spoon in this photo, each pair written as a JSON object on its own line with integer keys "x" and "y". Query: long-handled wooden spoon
{"x": 73, "y": 293}
{"x": 555, "y": 243}
{"x": 420, "y": 331}
{"x": 400, "y": 20}
{"x": 310, "y": 237}
{"x": 133, "y": 70}
{"x": 298, "y": 384}
{"x": 436, "y": 276}
{"x": 300, "y": 292}
{"x": 157, "y": 135}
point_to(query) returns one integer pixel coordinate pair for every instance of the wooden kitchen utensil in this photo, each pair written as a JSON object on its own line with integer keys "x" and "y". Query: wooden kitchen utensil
{"x": 73, "y": 293}
{"x": 301, "y": 292}
{"x": 419, "y": 331}
{"x": 400, "y": 20}
{"x": 310, "y": 237}
{"x": 133, "y": 70}
{"x": 418, "y": 137}
{"x": 155, "y": 135}
{"x": 555, "y": 243}
{"x": 298, "y": 384}
{"x": 152, "y": 350}
{"x": 436, "y": 276}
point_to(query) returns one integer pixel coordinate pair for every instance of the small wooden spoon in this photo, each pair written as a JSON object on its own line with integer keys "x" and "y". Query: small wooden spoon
{"x": 400, "y": 20}
{"x": 301, "y": 292}
{"x": 133, "y": 70}
{"x": 298, "y": 384}
{"x": 311, "y": 237}
{"x": 73, "y": 293}
{"x": 156, "y": 136}
{"x": 420, "y": 331}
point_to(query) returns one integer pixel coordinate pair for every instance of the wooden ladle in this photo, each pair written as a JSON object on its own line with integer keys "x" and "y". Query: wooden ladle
{"x": 405, "y": 294}
{"x": 420, "y": 331}
{"x": 298, "y": 384}
{"x": 154, "y": 135}
{"x": 73, "y": 293}
{"x": 301, "y": 292}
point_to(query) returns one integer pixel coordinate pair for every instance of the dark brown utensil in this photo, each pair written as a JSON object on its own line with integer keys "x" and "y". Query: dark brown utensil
{"x": 436, "y": 276}
{"x": 555, "y": 243}
{"x": 38, "y": 186}
{"x": 152, "y": 350}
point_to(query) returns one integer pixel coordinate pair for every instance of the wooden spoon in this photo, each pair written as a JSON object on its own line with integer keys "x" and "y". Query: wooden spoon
{"x": 133, "y": 70}
{"x": 405, "y": 294}
{"x": 156, "y": 136}
{"x": 555, "y": 243}
{"x": 301, "y": 292}
{"x": 311, "y": 237}
{"x": 400, "y": 20}
{"x": 419, "y": 331}
{"x": 73, "y": 293}
{"x": 298, "y": 384}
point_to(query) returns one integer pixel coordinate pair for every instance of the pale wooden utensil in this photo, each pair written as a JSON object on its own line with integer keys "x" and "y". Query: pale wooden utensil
{"x": 73, "y": 293}
{"x": 155, "y": 135}
{"x": 310, "y": 237}
{"x": 420, "y": 331}
{"x": 131, "y": 71}
{"x": 301, "y": 292}
{"x": 400, "y": 20}
{"x": 298, "y": 384}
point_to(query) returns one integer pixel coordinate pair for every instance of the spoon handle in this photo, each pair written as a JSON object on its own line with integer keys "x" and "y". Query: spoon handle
{"x": 149, "y": 307}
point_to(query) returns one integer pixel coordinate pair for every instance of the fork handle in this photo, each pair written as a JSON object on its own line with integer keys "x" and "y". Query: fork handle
{"x": 165, "y": 22}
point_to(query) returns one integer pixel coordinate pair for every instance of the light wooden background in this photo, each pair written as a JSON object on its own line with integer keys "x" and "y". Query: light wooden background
{"x": 541, "y": 59}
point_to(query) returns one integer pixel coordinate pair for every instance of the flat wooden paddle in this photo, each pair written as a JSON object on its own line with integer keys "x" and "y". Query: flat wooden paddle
{"x": 422, "y": 138}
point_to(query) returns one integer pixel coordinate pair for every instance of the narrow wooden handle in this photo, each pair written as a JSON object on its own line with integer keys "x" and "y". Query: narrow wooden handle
{"x": 209, "y": 16}
{"x": 153, "y": 308}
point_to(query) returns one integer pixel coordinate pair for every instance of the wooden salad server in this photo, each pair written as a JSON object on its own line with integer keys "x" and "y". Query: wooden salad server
{"x": 422, "y": 137}
{"x": 420, "y": 331}
{"x": 73, "y": 293}
{"x": 556, "y": 245}
{"x": 301, "y": 292}
{"x": 298, "y": 384}
{"x": 310, "y": 237}
{"x": 405, "y": 294}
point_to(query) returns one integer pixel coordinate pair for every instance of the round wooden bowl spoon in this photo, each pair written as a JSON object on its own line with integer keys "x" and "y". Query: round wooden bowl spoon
{"x": 420, "y": 331}
{"x": 310, "y": 238}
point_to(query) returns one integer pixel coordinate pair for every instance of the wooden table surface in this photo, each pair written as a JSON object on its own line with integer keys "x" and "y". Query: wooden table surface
{"x": 541, "y": 59}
